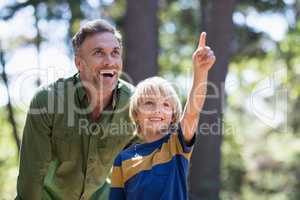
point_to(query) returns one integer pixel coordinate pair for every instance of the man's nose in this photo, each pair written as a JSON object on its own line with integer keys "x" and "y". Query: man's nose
{"x": 108, "y": 60}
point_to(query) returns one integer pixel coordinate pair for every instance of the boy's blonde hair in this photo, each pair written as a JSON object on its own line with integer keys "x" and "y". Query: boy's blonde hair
{"x": 152, "y": 87}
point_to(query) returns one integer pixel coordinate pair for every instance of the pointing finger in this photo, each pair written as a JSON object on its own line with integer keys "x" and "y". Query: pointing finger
{"x": 202, "y": 40}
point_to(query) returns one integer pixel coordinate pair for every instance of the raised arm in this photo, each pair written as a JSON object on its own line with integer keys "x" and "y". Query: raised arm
{"x": 203, "y": 60}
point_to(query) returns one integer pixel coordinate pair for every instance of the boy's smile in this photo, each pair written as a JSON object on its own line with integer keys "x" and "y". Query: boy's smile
{"x": 155, "y": 119}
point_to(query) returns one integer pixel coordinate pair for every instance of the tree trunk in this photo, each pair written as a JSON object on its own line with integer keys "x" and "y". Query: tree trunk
{"x": 11, "y": 116}
{"x": 38, "y": 41}
{"x": 204, "y": 180}
{"x": 141, "y": 39}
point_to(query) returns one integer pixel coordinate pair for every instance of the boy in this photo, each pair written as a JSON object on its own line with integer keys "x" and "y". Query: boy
{"x": 158, "y": 168}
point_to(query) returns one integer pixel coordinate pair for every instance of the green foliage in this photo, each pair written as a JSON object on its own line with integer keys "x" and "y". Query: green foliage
{"x": 178, "y": 36}
{"x": 8, "y": 158}
{"x": 268, "y": 158}
{"x": 289, "y": 52}
{"x": 259, "y": 167}
{"x": 233, "y": 164}
{"x": 262, "y": 5}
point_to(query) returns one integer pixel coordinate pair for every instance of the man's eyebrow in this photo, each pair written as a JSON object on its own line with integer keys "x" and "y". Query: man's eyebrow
{"x": 96, "y": 49}
{"x": 101, "y": 48}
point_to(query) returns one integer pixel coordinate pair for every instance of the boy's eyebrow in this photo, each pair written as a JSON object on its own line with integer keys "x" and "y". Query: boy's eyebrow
{"x": 145, "y": 96}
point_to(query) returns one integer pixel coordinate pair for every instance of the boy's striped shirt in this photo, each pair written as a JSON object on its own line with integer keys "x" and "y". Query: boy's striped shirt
{"x": 156, "y": 170}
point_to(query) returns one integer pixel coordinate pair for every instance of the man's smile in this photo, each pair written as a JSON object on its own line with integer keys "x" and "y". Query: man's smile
{"x": 107, "y": 74}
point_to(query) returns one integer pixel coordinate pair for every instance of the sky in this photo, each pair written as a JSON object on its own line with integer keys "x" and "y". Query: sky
{"x": 24, "y": 63}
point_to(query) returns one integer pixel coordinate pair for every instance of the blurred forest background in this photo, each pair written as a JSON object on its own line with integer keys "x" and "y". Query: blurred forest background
{"x": 251, "y": 146}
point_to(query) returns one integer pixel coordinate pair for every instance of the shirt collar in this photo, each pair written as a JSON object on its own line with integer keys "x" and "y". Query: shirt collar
{"x": 81, "y": 92}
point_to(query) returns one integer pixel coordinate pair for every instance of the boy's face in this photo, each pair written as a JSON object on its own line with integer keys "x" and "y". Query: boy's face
{"x": 154, "y": 114}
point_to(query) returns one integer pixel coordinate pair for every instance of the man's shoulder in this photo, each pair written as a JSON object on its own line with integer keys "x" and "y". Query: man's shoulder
{"x": 49, "y": 91}
{"x": 126, "y": 87}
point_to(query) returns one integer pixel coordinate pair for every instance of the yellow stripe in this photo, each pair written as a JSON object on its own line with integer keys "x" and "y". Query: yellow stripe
{"x": 135, "y": 165}
{"x": 116, "y": 179}
{"x": 177, "y": 147}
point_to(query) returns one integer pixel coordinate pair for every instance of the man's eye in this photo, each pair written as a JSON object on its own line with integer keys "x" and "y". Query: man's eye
{"x": 115, "y": 53}
{"x": 98, "y": 53}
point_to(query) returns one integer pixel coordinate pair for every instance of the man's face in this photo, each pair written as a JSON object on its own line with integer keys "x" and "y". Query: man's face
{"x": 99, "y": 61}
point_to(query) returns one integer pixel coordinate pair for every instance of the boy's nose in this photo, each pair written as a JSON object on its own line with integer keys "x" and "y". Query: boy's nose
{"x": 158, "y": 109}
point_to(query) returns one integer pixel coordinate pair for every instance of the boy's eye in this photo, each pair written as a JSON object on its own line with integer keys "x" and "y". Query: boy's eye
{"x": 149, "y": 103}
{"x": 166, "y": 104}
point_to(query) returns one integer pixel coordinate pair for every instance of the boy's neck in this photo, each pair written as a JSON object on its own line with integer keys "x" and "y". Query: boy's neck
{"x": 152, "y": 137}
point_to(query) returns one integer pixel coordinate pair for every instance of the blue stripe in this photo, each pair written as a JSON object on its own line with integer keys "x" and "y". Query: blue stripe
{"x": 162, "y": 180}
{"x": 186, "y": 147}
{"x": 117, "y": 194}
{"x": 118, "y": 161}
{"x": 143, "y": 149}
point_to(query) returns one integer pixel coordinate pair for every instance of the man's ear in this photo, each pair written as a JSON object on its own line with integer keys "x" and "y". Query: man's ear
{"x": 78, "y": 62}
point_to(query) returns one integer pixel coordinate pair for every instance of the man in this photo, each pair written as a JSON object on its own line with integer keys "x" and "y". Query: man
{"x": 76, "y": 126}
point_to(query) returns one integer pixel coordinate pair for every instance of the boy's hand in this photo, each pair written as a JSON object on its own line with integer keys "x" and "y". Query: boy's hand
{"x": 203, "y": 57}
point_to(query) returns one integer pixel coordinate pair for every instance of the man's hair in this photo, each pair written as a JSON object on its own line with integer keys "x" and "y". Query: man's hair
{"x": 91, "y": 28}
{"x": 152, "y": 87}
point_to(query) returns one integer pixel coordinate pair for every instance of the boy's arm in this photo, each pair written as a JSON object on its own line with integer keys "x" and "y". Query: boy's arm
{"x": 203, "y": 59}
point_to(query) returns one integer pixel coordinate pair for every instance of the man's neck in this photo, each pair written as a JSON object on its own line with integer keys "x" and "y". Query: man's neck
{"x": 98, "y": 101}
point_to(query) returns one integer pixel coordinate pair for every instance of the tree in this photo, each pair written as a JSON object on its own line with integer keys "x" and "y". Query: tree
{"x": 216, "y": 20}
{"x": 9, "y": 107}
{"x": 141, "y": 39}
